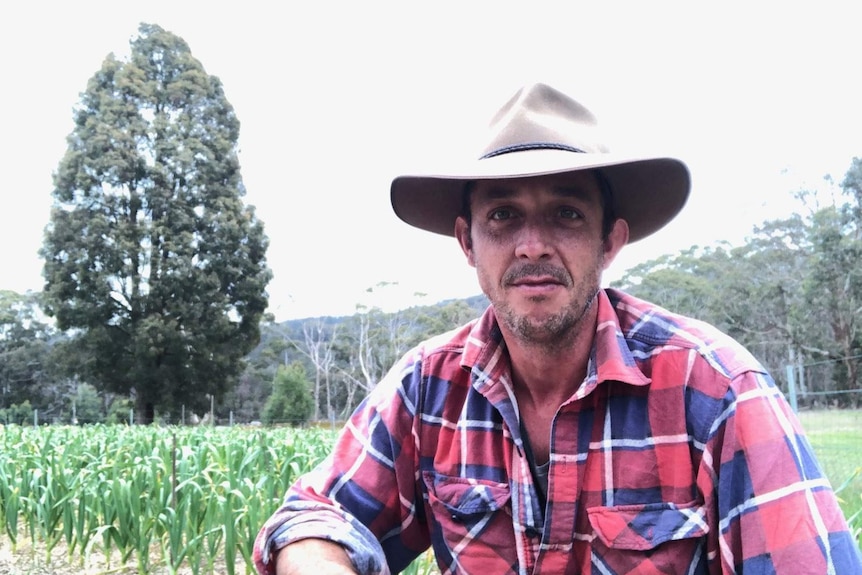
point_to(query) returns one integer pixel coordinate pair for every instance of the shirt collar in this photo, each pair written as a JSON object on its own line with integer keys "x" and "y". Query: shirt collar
{"x": 611, "y": 353}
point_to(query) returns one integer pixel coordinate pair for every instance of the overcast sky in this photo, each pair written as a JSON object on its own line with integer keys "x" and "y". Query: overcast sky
{"x": 337, "y": 98}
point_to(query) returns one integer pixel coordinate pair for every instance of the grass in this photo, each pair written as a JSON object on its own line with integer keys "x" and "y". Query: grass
{"x": 836, "y": 437}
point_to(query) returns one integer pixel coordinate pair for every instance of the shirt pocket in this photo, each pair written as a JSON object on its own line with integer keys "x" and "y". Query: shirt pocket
{"x": 474, "y": 517}
{"x": 661, "y": 537}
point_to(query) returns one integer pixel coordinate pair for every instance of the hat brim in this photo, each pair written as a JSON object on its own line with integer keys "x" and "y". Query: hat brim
{"x": 648, "y": 192}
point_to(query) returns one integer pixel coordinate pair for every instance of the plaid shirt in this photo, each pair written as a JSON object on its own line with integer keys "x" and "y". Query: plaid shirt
{"x": 677, "y": 454}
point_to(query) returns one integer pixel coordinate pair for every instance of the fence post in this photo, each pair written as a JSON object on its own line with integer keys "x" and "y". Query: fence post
{"x": 791, "y": 386}
{"x": 801, "y": 370}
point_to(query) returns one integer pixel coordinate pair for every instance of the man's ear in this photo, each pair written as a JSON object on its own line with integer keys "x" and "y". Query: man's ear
{"x": 615, "y": 241}
{"x": 462, "y": 233}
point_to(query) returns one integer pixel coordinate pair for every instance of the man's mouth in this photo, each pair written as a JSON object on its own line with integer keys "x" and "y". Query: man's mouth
{"x": 536, "y": 276}
{"x": 536, "y": 282}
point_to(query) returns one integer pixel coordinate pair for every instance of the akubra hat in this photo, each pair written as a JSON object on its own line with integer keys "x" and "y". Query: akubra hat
{"x": 541, "y": 131}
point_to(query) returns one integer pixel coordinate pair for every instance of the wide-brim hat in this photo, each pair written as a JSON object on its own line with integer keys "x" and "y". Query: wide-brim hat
{"x": 541, "y": 131}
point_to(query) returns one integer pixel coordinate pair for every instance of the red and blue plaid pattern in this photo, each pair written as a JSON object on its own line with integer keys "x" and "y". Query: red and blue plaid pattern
{"x": 677, "y": 454}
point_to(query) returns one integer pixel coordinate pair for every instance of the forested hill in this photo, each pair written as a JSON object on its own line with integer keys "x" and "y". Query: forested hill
{"x": 792, "y": 294}
{"x": 450, "y": 313}
{"x": 342, "y": 358}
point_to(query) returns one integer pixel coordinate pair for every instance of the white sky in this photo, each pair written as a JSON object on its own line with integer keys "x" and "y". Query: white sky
{"x": 337, "y": 98}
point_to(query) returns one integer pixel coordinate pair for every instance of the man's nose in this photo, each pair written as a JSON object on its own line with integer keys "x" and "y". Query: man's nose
{"x": 533, "y": 240}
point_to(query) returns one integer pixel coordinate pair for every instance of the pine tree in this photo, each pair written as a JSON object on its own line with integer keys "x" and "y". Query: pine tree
{"x": 151, "y": 257}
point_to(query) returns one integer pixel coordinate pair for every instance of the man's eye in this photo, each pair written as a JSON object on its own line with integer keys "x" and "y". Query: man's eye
{"x": 501, "y": 214}
{"x": 569, "y": 213}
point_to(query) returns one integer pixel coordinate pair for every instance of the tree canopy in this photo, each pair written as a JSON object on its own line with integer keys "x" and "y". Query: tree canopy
{"x": 24, "y": 350}
{"x": 291, "y": 400}
{"x": 792, "y": 294}
{"x": 151, "y": 259}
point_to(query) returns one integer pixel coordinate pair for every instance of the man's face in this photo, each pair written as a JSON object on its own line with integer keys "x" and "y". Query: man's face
{"x": 537, "y": 247}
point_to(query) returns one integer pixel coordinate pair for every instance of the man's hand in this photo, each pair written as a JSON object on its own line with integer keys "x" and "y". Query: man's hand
{"x": 313, "y": 557}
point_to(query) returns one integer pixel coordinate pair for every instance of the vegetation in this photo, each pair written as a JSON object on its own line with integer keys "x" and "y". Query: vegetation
{"x": 343, "y": 357}
{"x": 836, "y": 436}
{"x": 25, "y": 356}
{"x": 152, "y": 496}
{"x": 291, "y": 398}
{"x": 154, "y": 304}
{"x": 154, "y": 268}
{"x": 170, "y": 499}
{"x": 792, "y": 294}
{"x": 156, "y": 275}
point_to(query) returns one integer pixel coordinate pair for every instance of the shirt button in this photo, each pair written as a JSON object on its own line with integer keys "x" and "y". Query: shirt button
{"x": 532, "y": 532}
{"x": 455, "y": 518}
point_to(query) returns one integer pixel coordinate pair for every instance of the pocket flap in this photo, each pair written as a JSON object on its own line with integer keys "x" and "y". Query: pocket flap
{"x": 463, "y": 497}
{"x": 644, "y": 527}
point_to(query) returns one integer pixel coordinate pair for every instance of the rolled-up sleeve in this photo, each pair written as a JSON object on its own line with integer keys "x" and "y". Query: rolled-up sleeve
{"x": 298, "y": 520}
{"x": 364, "y": 495}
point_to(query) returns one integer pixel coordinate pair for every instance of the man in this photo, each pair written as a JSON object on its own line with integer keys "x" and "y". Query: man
{"x": 570, "y": 429}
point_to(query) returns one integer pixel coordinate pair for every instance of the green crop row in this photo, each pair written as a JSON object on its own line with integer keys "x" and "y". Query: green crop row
{"x": 163, "y": 497}
{"x": 193, "y": 498}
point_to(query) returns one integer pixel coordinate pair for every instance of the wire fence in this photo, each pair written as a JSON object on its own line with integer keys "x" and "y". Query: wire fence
{"x": 833, "y": 382}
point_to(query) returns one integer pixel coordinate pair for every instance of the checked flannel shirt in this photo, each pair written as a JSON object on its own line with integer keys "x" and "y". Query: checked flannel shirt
{"x": 677, "y": 455}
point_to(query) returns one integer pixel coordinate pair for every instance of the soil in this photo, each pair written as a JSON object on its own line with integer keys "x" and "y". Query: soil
{"x": 27, "y": 560}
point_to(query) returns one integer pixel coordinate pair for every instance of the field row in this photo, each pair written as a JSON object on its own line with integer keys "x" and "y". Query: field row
{"x": 192, "y": 499}
{"x": 198, "y": 496}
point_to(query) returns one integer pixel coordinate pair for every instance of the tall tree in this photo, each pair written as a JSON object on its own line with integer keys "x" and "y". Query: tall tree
{"x": 834, "y": 285}
{"x": 151, "y": 256}
{"x": 320, "y": 337}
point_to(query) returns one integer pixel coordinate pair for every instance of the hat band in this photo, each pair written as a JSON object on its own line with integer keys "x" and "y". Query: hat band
{"x": 531, "y": 146}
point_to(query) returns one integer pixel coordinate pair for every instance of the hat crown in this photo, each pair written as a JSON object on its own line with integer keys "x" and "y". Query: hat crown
{"x": 540, "y": 117}
{"x": 539, "y": 132}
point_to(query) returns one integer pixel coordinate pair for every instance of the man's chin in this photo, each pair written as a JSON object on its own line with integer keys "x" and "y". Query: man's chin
{"x": 538, "y": 328}
{"x": 538, "y": 310}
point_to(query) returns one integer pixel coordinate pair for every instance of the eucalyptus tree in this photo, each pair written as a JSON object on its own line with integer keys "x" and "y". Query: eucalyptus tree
{"x": 834, "y": 285}
{"x": 152, "y": 259}
{"x": 792, "y": 294}
{"x": 751, "y": 292}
